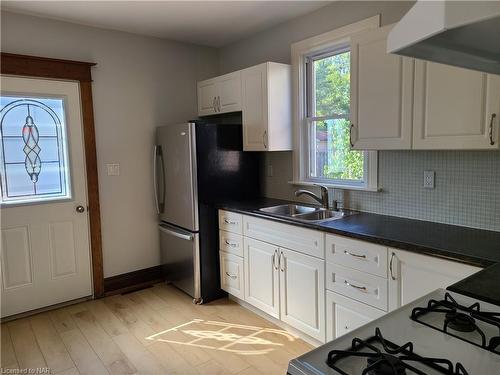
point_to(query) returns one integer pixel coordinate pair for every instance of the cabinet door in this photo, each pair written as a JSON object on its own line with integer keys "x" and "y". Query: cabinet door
{"x": 344, "y": 315}
{"x": 415, "y": 275}
{"x": 254, "y": 108}
{"x": 302, "y": 292}
{"x": 207, "y": 97}
{"x": 231, "y": 274}
{"x": 229, "y": 92}
{"x": 262, "y": 276}
{"x": 381, "y": 94}
{"x": 454, "y": 108}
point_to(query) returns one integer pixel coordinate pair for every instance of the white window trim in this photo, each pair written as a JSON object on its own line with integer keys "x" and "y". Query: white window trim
{"x": 300, "y": 51}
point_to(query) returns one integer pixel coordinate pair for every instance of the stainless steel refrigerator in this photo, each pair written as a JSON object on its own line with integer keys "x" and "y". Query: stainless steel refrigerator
{"x": 197, "y": 166}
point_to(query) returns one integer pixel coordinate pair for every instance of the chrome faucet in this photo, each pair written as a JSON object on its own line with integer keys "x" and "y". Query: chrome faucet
{"x": 323, "y": 199}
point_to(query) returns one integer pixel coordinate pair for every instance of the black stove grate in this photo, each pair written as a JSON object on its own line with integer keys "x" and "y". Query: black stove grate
{"x": 461, "y": 319}
{"x": 392, "y": 360}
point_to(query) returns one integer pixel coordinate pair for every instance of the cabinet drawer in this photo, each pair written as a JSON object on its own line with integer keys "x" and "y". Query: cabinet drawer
{"x": 231, "y": 274}
{"x": 306, "y": 241}
{"x": 360, "y": 286}
{"x": 360, "y": 255}
{"x": 230, "y": 221}
{"x": 344, "y": 315}
{"x": 231, "y": 242}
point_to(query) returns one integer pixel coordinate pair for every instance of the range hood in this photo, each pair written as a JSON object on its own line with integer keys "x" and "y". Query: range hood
{"x": 460, "y": 33}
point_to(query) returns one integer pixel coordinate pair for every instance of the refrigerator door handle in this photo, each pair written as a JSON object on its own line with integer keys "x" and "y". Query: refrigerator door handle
{"x": 187, "y": 237}
{"x": 155, "y": 182}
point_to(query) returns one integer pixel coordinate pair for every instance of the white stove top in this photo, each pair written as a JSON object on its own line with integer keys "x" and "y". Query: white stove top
{"x": 398, "y": 328}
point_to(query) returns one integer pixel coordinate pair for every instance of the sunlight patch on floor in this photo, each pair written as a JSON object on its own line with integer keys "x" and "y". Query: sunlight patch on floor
{"x": 229, "y": 337}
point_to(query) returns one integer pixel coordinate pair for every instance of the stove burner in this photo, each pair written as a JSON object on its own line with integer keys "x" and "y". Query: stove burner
{"x": 390, "y": 359}
{"x": 386, "y": 364}
{"x": 460, "y": 318}
{"x": 460, "y": 322}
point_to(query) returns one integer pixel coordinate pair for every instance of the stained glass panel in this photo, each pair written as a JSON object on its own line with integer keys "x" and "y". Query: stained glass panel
{"x": 34, "y": 162}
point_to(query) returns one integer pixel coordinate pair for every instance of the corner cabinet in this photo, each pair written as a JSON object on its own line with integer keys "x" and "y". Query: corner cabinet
{"x": 455, "y": 108}
{"x": 381, "y": 94}
{"x": 266, "y": 107}
{"x": 412, "y": 276}
{"x": 220, "y": 94}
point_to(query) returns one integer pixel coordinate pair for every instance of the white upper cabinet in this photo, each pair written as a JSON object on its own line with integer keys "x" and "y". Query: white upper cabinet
{"x": 455, "y": 108}
{"x": 266, "y": 106}
{"x": 381, "y": 94}
{"x": 220, "y": 94}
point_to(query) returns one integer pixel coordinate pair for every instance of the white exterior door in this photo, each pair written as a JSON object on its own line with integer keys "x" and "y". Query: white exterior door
{"x": 45, "y": 253}
{"x": 261, "y": 276}
{"x": 302, "y": 292}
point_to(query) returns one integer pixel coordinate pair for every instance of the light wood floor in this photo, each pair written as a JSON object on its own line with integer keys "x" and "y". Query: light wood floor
{"x": 152, "y": 331}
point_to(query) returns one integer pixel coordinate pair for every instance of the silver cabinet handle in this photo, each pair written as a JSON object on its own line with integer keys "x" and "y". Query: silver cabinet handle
{"x": 275, "y": 266}
{"x": 363, "y": 288}
{"x": 354, "y": 255}
{"x": 218, "y": 103}
{"x": 230, "y": 243}
{"x": 282, "y": 264}
{"x": 231, "y": 276}
{"x": 390, "y": 266}
{"x": 264, "y": 138}
{"x": 229, "y": 222}
{"x": 493, "y": 115}
{"x": 155, "y": 182}
{"x": 214, "y": 104}
{"x": 350, "y": 135}
{"x": 187, "y": 237}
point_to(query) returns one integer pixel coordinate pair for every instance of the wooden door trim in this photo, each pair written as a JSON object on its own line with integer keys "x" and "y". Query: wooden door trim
{"x": 43, "y": 67}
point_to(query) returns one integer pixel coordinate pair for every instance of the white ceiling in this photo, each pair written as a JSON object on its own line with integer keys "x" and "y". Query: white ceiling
{"x": 210, "y": 23}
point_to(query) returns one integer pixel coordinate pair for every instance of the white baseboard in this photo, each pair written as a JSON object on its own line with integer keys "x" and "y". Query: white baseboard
{"x": 277, "y": 322}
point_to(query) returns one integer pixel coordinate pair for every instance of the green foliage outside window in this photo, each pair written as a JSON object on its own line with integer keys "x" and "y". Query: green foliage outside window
{"x": 332, "y": 97}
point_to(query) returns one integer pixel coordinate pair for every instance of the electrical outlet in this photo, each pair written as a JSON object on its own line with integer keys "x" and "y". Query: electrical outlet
{"x": 270, "y": 170}
{"x": 113, "y": 169}
{"x": 429, "y": 177}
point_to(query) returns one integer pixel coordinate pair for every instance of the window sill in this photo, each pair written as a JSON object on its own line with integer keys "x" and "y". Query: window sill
{"x": 335, "y": 186}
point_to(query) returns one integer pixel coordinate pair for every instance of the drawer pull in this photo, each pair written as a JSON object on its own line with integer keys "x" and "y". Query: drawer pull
{"x": 230, "y": 243}
{"x": 229, "y": 222}
{"x": 231, "y": 276}
{"x": 363, "y": 288}
{"x": 355, "y": 255}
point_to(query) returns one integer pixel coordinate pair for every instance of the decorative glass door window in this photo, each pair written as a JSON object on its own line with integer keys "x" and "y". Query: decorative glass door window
{"x": 34, "y": 162}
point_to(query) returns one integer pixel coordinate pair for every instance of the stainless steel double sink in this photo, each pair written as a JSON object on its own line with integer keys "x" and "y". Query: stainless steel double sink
{"x": 306, "y": 213}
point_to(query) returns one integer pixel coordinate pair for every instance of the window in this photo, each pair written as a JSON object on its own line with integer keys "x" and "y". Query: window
{"x": 323, "y": 65}
{"x": 33, "y": 154}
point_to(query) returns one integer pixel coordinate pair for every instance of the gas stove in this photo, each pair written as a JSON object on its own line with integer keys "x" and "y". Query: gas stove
{"x": 441, "y": 333}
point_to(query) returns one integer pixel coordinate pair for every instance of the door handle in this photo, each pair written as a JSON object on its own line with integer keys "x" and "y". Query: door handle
{"x": 362, "y": 288}
{"x": 282, "y": 265}
{"x": 80, "y": 209}
{"x": 350, "y": 135}
{"x": 390, "y": 266}
{"x": 218, "y": 103}
{"x": 264, "y": 138}
{"x": 231, "y": 276}
{"x": 230, "y": 243}
{"x": 493, "y": 115}
{"x": 187, "y": 237}
{"x": 155, "y": 182}
{"x": 354, "y": 255}
{"x": 274, "y": 260}
{"x": 214, "y": 105}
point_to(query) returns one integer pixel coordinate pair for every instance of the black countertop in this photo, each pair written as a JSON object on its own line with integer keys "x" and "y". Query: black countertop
{"x": 483, "y": 285}
{"x": 472, "y": 246}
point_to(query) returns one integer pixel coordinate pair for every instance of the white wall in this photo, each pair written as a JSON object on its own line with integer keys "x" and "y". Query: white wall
{"x": 274, "y": 45}
{"x": 139, "y": 83}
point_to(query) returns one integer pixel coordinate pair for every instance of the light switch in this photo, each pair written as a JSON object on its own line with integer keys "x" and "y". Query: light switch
{"x": 113, "y": 169}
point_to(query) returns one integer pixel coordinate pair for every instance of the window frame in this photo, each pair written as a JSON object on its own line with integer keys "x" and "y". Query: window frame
{"x": 323, "y": 45}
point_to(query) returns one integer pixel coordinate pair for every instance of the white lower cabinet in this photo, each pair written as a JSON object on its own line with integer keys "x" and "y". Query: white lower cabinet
{"x": 262, "y": 276}
{"x": 302, "y": 292}
{"x": 413, "y": 275}
{"x": 343, "y": 315}
{"x": 231, "y": 274}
